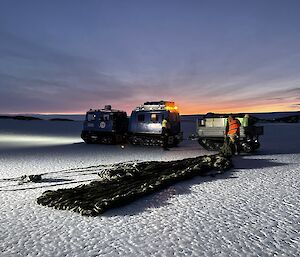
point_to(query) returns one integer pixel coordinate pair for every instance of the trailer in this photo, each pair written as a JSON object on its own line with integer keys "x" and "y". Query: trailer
{"x": 211, "y": 131}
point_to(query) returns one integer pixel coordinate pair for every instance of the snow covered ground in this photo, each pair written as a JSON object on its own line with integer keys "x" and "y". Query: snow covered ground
{"x": 252, "y": 210}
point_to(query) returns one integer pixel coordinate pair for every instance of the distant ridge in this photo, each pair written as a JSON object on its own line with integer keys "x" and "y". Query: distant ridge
{"x": 60, "y": 119}
{"x": 24, "y": 117}
{"x": 19, "y": 117}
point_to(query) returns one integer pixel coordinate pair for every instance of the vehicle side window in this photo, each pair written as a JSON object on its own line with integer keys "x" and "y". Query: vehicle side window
{"x": 154, "y": 117}
{"x": 141, "y": 117}
{"x": 91, "y": 117}
{"x": 106, "y": 117}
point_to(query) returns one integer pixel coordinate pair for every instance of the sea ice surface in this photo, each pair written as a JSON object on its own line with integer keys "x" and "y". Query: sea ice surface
{"x": 251, "y": 210}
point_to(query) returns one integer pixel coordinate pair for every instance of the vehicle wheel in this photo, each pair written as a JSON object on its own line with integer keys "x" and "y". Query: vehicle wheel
{"x": 206, "y": 144}
{"x": 176, "y": 142}
{"x": 88, "y": 141}
{"x": 119, "y": 139}
{"x": 247, "y": 148}
{"x": 171, "y": 141}
{"x": 202, "y": 142}
{"x": 132, "y": 141}
{"x": 211, "y": 145}
{"x": 113, "y": 140}
{"x": 108, "y": 140}
{"x": 256, "y": 145}
{"x": 217, "y": 146}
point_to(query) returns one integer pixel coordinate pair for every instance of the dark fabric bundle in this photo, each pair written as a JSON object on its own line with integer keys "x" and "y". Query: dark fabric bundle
{"x": 125, "y": 182}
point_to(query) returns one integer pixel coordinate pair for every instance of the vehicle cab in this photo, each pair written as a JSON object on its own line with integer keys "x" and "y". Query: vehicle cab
{"x": 104, "y": 126}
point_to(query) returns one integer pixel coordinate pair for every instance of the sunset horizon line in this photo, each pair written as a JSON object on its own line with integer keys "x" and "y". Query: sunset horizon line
{"x": 185, "y": 114}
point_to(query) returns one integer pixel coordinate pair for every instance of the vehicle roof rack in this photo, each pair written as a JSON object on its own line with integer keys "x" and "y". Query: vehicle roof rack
{"x": 157, "y": 105}
{"x": 107, "y": 108}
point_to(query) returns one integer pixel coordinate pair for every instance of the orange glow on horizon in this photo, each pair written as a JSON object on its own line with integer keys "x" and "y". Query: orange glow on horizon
{"x": 243, "y": 106}
{"x": 243, "y": 109}
{"x": 188, "y": 108}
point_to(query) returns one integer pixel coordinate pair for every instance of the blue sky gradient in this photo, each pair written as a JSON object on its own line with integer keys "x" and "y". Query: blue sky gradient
{"x": 220, "y": 56}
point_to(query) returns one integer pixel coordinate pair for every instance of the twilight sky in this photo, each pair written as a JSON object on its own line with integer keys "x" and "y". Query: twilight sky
{"x": 66, "y": 56}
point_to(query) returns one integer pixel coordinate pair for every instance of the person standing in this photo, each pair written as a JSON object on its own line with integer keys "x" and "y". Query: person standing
{"x": 165, "y": 133}
{"x": 233, "y": 132}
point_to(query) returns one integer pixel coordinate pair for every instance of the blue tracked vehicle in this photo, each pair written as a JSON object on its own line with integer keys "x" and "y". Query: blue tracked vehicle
{"x": 105, "y": 126}
{"x": 145, "y": 124}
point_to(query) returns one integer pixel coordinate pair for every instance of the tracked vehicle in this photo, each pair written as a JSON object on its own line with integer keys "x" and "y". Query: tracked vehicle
{"x": 145, "y": 124}
{"x": 104, "y": 126}
{"x": 211, "y": 131}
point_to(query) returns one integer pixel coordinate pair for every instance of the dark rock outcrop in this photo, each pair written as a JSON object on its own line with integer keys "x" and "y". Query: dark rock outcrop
{"x": 122, "y": 183}
{"x": 19, "y": 117}
{"x": 60, "y": 119}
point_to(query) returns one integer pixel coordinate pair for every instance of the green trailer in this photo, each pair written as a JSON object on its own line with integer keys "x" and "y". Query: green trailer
{"x": 211, "y": 132}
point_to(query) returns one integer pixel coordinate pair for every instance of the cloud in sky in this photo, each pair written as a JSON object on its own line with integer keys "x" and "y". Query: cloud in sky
{"x": 207, "y": 56}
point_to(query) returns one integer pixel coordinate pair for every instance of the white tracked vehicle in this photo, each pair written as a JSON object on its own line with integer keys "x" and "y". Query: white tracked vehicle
{"x": 145, "y": 123}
